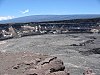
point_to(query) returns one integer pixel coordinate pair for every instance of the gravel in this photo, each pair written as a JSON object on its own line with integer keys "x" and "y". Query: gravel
{"x": 60, "y": 45}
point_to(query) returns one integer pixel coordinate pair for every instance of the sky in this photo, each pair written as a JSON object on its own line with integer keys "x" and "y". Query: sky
{"x": 18, "y": 8}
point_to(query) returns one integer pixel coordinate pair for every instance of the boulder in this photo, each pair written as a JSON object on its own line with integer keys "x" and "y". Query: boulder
{"x": 89, "y": 72}
{"x": 58, "y": 73}
{"x": 49, "y": 65}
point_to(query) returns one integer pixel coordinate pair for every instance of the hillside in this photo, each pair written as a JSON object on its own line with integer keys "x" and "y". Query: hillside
{"x": 42, "y": 18}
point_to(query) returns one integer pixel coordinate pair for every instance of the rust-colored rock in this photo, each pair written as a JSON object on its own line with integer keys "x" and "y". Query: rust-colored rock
{"x": 58, "y": 73}
{"x": 49, "y": 65}
{"x": 26, "y": 63}
{"x": 88, "y": 72}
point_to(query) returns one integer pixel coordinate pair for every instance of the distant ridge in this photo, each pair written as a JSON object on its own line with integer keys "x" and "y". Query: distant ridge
{"x": 41, "y": 18}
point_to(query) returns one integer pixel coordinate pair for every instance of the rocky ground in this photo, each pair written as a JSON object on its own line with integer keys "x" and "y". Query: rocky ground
{"x": 77, "y": 51}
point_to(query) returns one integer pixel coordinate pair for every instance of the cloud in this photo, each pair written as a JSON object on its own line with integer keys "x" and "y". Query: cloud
{"x": 6, "y": 17}
{"x": 24, "y": 12}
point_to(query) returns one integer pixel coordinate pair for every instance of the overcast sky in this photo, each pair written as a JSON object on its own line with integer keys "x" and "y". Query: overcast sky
{"x": 18, "y": 8}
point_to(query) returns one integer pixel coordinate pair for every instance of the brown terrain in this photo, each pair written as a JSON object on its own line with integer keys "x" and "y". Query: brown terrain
{"x": 26, "y": 63}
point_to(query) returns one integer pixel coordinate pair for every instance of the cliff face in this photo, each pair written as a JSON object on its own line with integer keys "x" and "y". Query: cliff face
{"x": 87, "y": 25}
